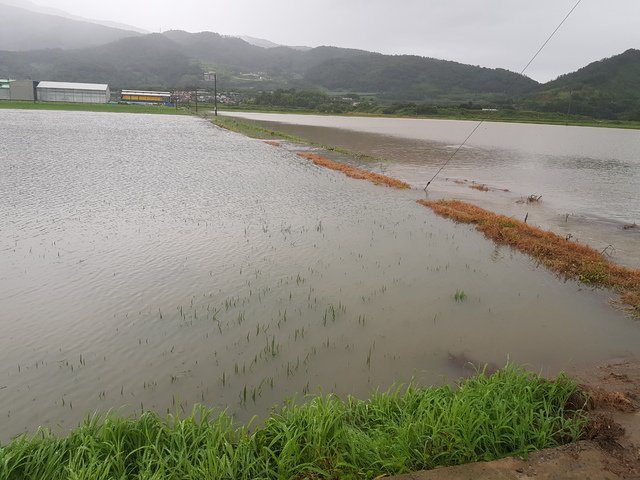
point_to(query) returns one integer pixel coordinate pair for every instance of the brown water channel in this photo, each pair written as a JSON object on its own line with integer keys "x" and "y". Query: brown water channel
{"x": 153, "y": 262}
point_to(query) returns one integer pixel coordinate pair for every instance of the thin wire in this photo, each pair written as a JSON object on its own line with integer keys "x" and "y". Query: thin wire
{"x": 551, "y": 36}
{"x": 453, "y": 154}
{"x": 507, "y": 89}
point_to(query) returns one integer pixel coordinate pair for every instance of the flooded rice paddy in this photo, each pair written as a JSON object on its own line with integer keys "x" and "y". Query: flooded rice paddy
{"x": 154, "y": 262}
{"x": 588, "y": 178}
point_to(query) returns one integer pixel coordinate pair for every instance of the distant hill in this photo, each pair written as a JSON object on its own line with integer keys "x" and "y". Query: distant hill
{"x": 28, "y": 5}
{"x": 407, "y": 77}
{"x": 397, "y": 76}
{"x": 178, "y": 59}
{"x": 22, "y": 30}
{"x": 135, "y": 62}
{"x": 609, "y": 88}
{"x": 50, "y": 47}
{"x": 261, "y": 42}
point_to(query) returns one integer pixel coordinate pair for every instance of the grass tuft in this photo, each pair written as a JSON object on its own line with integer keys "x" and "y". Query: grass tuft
{"x": 398, "y": 431}
{"x": 459, "y": 296}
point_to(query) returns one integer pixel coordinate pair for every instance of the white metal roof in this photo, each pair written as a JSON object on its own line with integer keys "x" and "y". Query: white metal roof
{"x": 74, "y": 86}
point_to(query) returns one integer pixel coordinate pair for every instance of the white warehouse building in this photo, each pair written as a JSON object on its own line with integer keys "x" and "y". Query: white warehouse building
{"x": 73, "y": 92}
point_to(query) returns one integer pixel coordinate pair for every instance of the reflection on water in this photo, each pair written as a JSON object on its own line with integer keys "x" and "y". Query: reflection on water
{"x": 156, "y": 262}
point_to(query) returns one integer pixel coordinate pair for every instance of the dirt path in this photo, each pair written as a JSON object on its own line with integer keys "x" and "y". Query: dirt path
{"x": 614, "y": 451}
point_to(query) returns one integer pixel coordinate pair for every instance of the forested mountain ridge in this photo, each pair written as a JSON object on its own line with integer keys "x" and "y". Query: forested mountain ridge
{"x": 412, "y": 78}
{"x": 607, "y": 88}
{"x": 177, "y": 60}
{"x": 147, "y": 60}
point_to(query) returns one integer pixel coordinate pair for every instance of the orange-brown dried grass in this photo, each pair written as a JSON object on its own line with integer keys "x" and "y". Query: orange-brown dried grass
{"x": 482, "y": 188}
{"x": 604, "y": 399}
{"x": 557, "y": 253}
{"x": 273, "y": 143}
{"x": 354, "y": 172}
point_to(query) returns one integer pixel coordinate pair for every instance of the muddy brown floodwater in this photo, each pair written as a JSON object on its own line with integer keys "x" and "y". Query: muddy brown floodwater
{"x": 154, "y": 262}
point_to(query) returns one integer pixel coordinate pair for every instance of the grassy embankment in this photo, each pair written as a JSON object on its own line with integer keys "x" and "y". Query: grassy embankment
{"x": 452, "y": 113}
{"x": 255, "y": 131}
{"x": 505, "y": 115}
{"x": 263, "y": 133}
{"x": 558, "y": 254}
{"x": 93, "y": 107}
{"x": 402, "y": 430}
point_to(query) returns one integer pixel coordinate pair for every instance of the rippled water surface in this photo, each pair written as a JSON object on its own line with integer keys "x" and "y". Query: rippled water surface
{"x": 159, "y": 261}
{"x": 588, "y": 178}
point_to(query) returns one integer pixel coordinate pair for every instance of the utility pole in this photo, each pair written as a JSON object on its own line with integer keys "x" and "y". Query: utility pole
{"x": 215, "y": 94}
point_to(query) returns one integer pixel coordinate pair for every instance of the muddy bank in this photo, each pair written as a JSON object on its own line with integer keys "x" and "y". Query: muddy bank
{"x": 612, "y": 452}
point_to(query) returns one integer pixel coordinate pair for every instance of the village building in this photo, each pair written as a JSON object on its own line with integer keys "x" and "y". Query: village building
{"x": 73, "y": 92}
{"x": 145, "y": 97}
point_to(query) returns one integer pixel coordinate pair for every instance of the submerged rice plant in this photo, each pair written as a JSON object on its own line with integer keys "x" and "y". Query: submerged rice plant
{"x": 557, "y": 253}
{"x": 459, "y": 296}
{"x": 401, "y": 430}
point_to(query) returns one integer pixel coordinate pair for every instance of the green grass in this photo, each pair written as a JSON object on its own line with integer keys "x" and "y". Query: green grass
{"x": 459, "y": 296}
{"x": 444, "y": 113}
{"x": 398, "y": 431}
{"x": 503, "y": 115}
{"x": 255, "y": 131}
{"x": 93, "y": 107}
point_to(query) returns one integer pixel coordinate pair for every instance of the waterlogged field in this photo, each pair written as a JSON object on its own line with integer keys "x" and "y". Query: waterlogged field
{"x": 587, "y": 178}
{"x": 153, "y": 262}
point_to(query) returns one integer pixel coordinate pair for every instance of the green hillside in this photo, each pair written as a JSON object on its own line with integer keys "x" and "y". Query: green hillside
{"x": 177, "y": 59}
{"x": 609, "y": 88}
{"x": 412, "y": 78}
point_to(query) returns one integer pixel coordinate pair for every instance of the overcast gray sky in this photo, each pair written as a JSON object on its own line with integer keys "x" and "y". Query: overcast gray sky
{"x": 489, "y": 33}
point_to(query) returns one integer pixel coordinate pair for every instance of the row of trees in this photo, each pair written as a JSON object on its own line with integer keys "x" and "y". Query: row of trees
{"x": 556, "y": 106}
{"x": 309, "y": 100}
{"x": 318, "y": 101}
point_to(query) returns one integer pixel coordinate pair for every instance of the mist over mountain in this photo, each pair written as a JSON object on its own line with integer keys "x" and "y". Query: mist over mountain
{"x": 42, "y": 46}
{"x": 22, "y": 30}
{"x": 32, "y": 7}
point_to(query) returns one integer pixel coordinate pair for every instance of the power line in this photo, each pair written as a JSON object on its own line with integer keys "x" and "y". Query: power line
{"x": 551, "y": 36}
{"x": 506, "y": 90}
